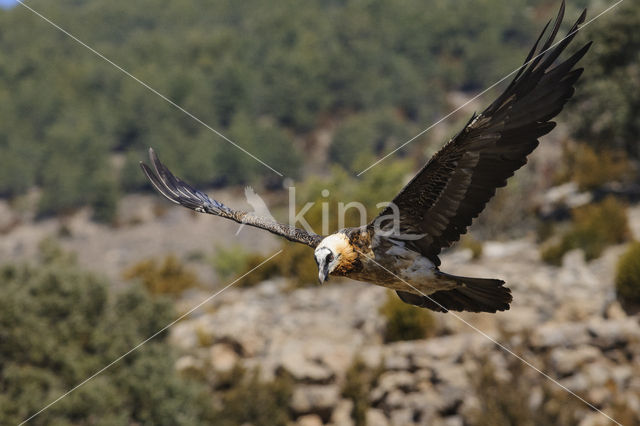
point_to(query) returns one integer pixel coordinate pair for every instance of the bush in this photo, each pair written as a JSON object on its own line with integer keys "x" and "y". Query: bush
{"x": 249, "y": 400}
{"x": 358, "y": 383}
{"x": 594, "y": 227}
{"x": 59, "y": 325}
{"x": 628, "y": 275}
{"x": 169, "y": 277}
{"x": 404, "y": 321}
{"x": 591, "y": 168}
{"x": 295, "y": 263}
{"x": 553, "y": 253}
{"x": 508, "y": 402}
{"x": 231, "y": 263}
{"x": 468, "y": 242}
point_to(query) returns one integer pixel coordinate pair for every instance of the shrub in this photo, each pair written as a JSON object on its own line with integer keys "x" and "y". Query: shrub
{"x": 297, "y": 263}
{"x": 249, "y": 400}
{"x": 49, "y": 251}
{"x": 628, "y": 275}
{"x": 168, "y": 277}
{"x": 294, "y": 263}
{"x": 591, "y": 168}
{"x": 544, "y": 230}
{"x": 468, "y": 242}
{"x": 594, "y": 169}
{"x": 594, "y": 227}
{"x": 404, "y": 321}
{"x": 359, "y": 380}
{"x": 553, "y": 253}
{"x": 60, "y": 324}
{"x": 508, "y": 402}
{"x": 230, "y": 262}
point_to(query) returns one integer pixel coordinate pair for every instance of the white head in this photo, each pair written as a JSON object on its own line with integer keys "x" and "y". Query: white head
{"x": 330, "y": 253}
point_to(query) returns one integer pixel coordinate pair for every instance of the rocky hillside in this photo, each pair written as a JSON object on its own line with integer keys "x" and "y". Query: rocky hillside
{"x": 564, "y": 320}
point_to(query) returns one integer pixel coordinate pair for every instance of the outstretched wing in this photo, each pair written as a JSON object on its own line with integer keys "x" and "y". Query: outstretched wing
{"x": 179, "y": 192}
{"x": 454, "y": 186}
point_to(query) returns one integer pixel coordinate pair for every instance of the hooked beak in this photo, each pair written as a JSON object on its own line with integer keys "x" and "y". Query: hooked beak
{"x": 323, "y": 272}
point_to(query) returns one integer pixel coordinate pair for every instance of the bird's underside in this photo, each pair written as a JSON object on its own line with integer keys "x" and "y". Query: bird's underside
{"x": 441, "y": 201}
{"x": 415, "y": 278}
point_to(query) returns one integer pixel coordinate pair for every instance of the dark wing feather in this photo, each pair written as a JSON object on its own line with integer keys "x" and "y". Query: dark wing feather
{"x": 454, "y": 186}
{"x": 478, "y": 295}
{"x": 179, "y": 192}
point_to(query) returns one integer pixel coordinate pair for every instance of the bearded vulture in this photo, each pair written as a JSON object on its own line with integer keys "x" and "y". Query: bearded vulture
{"x": 441, "y": 201}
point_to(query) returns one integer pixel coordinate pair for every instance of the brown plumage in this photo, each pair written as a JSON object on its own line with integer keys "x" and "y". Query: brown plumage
{"x": 441, "y": 201}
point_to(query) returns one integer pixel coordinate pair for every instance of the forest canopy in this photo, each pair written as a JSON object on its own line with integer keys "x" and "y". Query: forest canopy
{"x": 267, "y": 75}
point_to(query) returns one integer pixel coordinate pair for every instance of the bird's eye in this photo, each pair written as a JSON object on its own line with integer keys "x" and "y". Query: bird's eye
{"x": 330, "y": 257}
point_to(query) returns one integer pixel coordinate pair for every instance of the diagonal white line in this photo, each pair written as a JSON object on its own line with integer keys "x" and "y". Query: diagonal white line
{"x": 145, "y": 85}
{"x": 487, "y": 89}
{"x": 503, "y": 347}
{"x": 147, "y": 339}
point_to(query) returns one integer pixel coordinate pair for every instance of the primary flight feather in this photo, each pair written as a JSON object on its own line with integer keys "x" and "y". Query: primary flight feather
{"x": 441, "y": 201}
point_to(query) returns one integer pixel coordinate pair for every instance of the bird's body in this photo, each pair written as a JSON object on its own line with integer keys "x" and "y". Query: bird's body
{"x": 370, "y": 259}
{"x": 360, "y": 254}
{"x": 441, "y": 201}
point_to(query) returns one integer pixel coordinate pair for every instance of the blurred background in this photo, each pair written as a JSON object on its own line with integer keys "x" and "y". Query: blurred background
{"x": 94, "y": 262}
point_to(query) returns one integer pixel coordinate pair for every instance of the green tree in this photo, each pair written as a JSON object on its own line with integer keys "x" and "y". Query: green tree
{"x": 265, "y": 74}
{"x": 605, "y": 111}
{"x": 60, "y": 324}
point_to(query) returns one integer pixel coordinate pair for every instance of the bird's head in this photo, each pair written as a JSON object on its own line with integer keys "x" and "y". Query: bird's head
{"x": 333, "y": 253}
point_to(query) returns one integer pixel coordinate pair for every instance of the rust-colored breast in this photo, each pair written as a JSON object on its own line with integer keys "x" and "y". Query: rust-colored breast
{"x": 357, "y": 244}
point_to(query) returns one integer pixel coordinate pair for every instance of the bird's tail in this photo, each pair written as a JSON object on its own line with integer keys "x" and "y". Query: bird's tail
{"x": 480, "y": 295}
{"x": 472, "y": 294}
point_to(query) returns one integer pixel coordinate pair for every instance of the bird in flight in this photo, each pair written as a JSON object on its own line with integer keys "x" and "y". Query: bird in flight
{"x": 441, "y": 201}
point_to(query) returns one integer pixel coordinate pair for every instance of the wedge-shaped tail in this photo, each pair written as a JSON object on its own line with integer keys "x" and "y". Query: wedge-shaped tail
{"x": 473, "y": 295}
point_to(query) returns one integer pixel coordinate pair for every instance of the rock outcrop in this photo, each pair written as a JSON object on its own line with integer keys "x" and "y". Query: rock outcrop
{"x": 563, "y": 321}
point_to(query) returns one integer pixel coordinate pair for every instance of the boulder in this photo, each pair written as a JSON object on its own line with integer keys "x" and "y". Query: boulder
{"x": 521, "y": 319}
{"x": 309, "y": 420}
{"x": 609, "y": 334}
{"x": 376, "y": 417}
{"x": 372, "y": 356}
{"x": 315, "y": 399}
{"x": 223, "y": 357}
{"x": 402, "y": 417}
{"x": 567, "y": 361}
{"x": 341, "y": 415}
{"x": 392, "y": 385}
{"x": 569, "y": 334}
{"x": 302, "y": 369}
{"x": 454, "y": 375}
{"x": 594, "y": 419}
